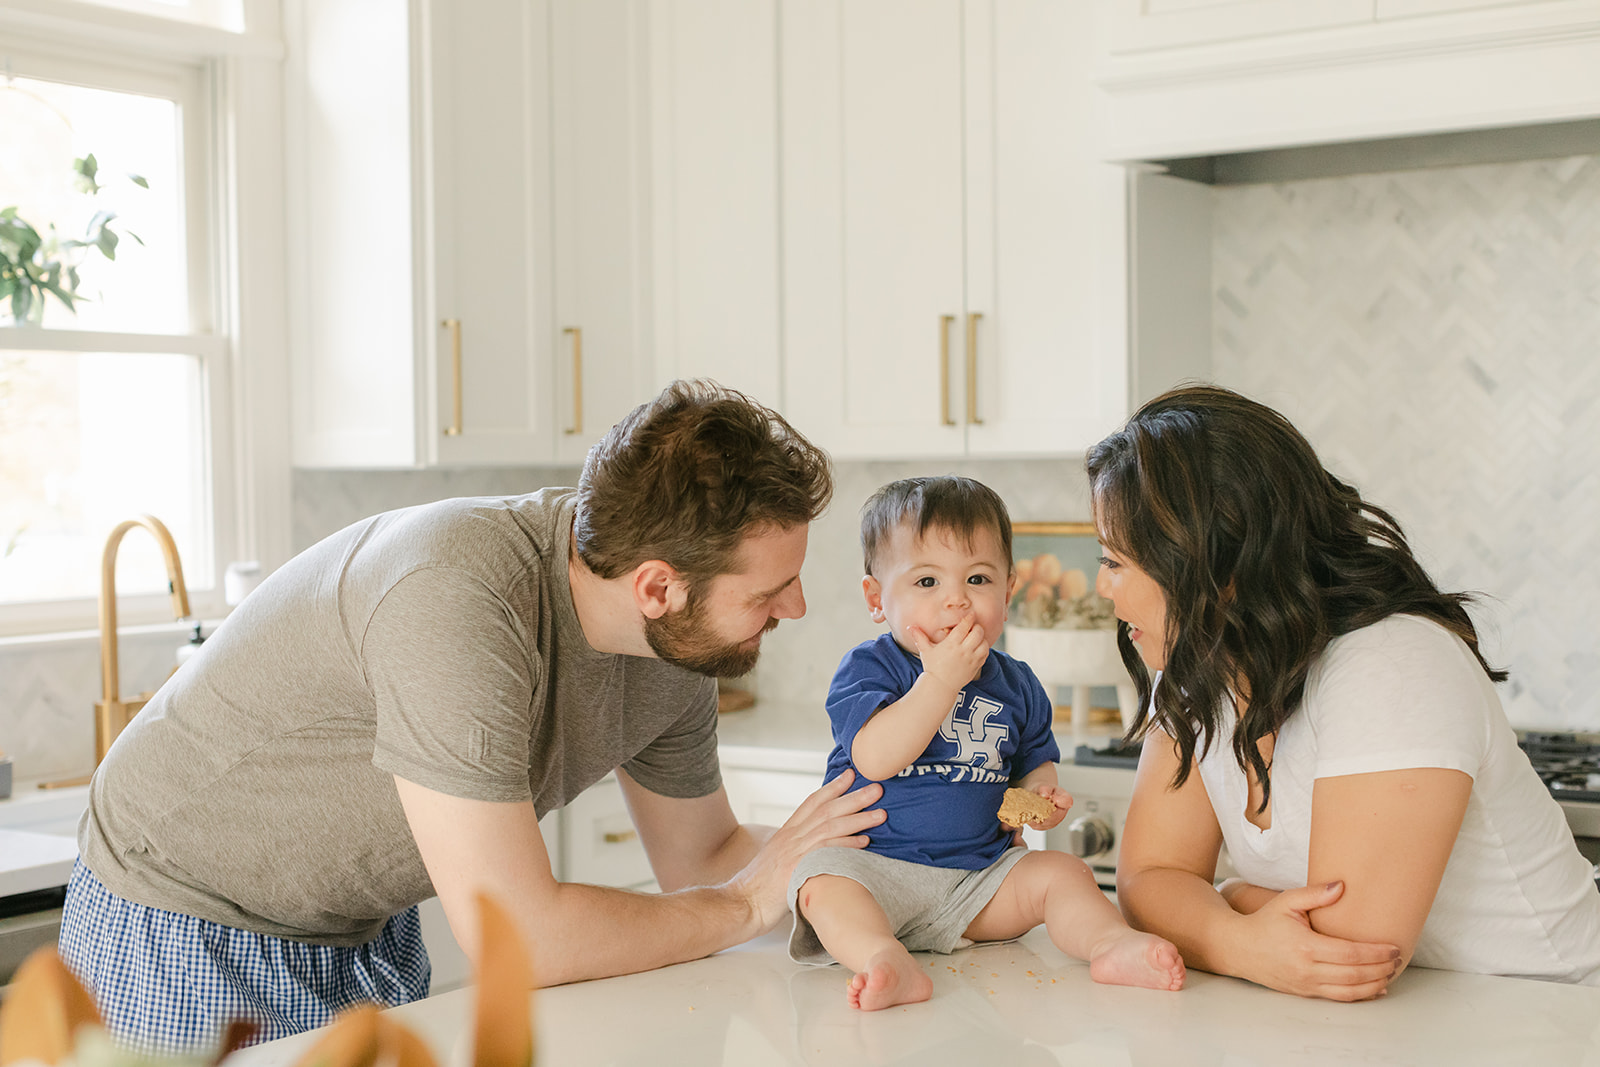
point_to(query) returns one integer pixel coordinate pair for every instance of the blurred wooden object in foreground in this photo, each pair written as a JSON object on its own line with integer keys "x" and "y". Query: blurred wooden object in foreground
{"x": 40, "y": 1017}
{"x": 46, "y": 1008}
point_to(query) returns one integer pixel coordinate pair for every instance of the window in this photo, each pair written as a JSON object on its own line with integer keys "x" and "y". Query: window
{"x": 117, "y": 405}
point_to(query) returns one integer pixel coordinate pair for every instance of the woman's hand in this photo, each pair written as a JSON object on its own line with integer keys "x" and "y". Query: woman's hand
{"x": 1281, "y": 951}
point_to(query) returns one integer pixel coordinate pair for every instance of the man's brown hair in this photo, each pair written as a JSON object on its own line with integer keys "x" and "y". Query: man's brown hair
{"x": 687, "y": 475}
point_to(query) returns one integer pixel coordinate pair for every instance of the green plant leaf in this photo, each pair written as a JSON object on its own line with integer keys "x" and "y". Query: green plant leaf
{"x": 107, "y": 243}
{"x": 15, "y": 231}
{"x": 138, "y": 179}
{"x": 86, "y": 169}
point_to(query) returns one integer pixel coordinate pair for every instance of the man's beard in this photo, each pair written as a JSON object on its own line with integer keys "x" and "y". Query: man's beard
{"x": 685, "y": 639}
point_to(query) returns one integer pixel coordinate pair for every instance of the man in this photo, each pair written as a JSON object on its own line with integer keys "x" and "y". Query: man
{"x": 391, "y": 712}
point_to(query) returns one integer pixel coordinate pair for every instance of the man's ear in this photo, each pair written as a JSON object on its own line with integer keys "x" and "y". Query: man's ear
{"x": 872, "y": 589}
{"x": 658, "y": 589}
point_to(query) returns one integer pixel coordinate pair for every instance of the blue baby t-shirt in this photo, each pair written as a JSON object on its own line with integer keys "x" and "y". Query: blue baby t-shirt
{"x": 941, "y": 809}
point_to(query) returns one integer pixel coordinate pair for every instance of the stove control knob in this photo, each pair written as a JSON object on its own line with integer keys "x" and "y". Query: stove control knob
{"x": 1089, "y": 835}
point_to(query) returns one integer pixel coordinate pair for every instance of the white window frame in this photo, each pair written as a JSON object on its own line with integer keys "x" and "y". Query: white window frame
{"x": 230, "y": 86}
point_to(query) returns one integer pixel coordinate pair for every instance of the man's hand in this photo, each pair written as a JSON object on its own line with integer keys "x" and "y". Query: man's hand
{"x": 828, "y": 817}
{"x": 958, "y": 657}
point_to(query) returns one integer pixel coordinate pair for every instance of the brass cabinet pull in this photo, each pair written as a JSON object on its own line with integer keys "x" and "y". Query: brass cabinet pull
{"x": 972, "y": 368}
{"x": 454, "y": 326}
{"x": 577, "y": 378}
{"x": 617, "y": 837}
{"x": 944, "y": 369}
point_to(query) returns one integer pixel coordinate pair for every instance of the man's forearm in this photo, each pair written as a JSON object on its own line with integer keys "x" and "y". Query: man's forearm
{"x": 729, "y": 859}
{"x": 591, "y": 931}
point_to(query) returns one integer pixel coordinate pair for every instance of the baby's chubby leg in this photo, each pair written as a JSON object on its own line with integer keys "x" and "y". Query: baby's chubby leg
{"x": 855, "y": 931}
{"x": 1059, "y": 890}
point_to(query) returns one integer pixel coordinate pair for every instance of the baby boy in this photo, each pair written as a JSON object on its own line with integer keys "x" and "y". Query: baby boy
{"x": 947, "y": 724}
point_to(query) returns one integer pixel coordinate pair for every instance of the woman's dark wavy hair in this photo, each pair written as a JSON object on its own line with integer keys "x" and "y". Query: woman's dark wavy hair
{"x": 1263, "y": 555}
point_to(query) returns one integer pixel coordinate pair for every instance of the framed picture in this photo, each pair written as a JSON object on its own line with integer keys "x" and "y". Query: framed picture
{"x": 1056, "y": 565}
{"x": 1063, "y": 629}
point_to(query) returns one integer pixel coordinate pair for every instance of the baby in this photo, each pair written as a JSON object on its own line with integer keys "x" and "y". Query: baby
{"x": 946, "y": 724}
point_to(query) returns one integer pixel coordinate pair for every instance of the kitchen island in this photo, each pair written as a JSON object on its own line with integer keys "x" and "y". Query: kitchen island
{"x": 1021, "y": 1002}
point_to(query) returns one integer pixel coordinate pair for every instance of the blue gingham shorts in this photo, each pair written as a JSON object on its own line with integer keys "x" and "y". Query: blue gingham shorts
{"x": 168, "y": 983}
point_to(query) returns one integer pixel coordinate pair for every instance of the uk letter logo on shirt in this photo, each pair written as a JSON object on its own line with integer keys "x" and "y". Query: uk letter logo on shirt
{"x": 977, "y": 740}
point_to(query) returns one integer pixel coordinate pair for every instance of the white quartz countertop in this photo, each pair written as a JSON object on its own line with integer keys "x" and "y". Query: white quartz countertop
{"x": 30, "y": 861}
{"x": 1018, "y": 1003}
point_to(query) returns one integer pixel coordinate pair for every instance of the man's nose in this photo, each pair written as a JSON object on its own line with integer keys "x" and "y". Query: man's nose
{"x": 791, "y": 604}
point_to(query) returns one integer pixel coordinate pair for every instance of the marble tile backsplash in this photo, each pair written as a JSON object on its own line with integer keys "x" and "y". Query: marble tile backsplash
{"x": 1435, "y": 334}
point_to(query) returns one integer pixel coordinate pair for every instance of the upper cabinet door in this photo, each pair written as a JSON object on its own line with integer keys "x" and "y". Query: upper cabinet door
{"x": 1045, "y": 343}
{"x": 873, "y": 228}
{"x": 1142, "y": 25}
{"x": 486, "y": 210}
{"x": 599, "y": 125}
{"x": 714, "y": 164}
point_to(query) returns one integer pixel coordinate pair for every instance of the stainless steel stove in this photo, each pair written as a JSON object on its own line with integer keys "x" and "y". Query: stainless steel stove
{"x": 1569, "y": 766}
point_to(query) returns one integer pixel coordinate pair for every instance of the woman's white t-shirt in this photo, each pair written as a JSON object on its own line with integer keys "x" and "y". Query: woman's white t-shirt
{"x": 1517, "y": 898}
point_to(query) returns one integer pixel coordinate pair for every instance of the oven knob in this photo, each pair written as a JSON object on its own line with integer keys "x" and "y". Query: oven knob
{"x": 1088, "y": 835}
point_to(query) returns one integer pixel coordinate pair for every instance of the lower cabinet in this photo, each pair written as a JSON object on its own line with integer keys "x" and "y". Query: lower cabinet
{"x": 599, "y": 844}
{"x": 767, "y": 797}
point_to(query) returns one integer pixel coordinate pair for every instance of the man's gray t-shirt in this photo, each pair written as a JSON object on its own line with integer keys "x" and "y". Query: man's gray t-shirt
{"x": 437, "y": 643}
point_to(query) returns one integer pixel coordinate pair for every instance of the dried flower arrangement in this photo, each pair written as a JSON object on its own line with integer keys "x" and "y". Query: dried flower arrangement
{"x": 1050, "y": 594}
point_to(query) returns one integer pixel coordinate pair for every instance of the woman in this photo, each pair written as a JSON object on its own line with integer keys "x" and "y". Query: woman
{"x": 1323, "y": 709}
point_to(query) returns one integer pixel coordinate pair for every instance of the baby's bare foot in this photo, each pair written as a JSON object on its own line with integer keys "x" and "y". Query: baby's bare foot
{"x": 1138, "y": 959}
{"x": 890, "y": 978}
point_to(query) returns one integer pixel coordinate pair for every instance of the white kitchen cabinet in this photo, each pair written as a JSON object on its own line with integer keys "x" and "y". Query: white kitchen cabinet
{"x": 472, "y": 183}
{"x": 1140, "y": 25}
{"x": 714, "y": 162}
{"x": 950, "y": 251}
{"x": 767, "y": 797}
{"x": 1206, "y": 77}
{"x": 599, "y": 845}
{"x": 600, "y": 162}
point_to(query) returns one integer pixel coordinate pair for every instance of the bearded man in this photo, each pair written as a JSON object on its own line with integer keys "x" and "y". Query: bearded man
{"x": 390, "y": 713}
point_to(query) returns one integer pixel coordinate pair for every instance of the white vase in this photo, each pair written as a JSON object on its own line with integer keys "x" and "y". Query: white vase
{"x": 1080, "y": 659}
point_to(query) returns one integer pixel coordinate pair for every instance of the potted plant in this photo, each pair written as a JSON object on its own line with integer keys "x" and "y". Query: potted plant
{"x": 35, "y": 265}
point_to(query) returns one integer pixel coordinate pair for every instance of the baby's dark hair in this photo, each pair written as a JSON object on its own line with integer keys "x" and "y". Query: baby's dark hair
{"x": 949, "y": 502}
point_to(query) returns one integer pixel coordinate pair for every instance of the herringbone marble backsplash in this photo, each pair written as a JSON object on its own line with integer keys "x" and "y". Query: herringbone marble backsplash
{"x": 1436, "y": 334}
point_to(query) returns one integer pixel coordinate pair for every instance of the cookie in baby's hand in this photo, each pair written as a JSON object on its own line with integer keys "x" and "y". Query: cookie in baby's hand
{"x": 1022, "y": 808}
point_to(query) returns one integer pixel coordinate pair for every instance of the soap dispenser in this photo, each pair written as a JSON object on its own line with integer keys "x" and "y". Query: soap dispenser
{"x": 189, "y": 648}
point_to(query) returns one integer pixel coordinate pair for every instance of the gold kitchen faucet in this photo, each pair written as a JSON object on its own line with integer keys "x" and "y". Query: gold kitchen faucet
{"x": 111, "y": 712}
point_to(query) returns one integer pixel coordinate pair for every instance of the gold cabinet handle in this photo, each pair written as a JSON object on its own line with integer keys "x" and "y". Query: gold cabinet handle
{"x": 577, "y": 378}
{"x": 617, "y": 837}
{"x": 972, "y": 368}
{"x": 454, "y": 326}
{"x": 944, "y": 369}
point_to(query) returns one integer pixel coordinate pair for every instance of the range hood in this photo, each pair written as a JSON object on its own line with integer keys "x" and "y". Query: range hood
{"x": 1507, "y": 144}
